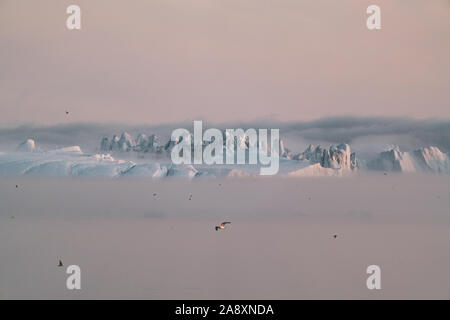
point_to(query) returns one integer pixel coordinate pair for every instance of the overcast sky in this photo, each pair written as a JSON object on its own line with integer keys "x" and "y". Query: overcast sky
{"x": 159, "y": 61}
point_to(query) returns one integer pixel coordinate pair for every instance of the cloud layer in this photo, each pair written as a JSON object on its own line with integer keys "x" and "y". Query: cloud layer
{"x": 408, "y": 133}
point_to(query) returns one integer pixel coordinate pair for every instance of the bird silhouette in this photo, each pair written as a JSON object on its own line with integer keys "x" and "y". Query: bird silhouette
{"x": 17, "y": 186}
{"x": 67, "y": 112}
{"x": 60, "y": 264}
{"x": 154, "y": 194}
{"x": 222, "y": 226}
{"x": 335, "y": 236}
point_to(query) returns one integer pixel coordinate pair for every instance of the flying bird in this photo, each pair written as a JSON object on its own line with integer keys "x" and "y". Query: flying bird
{"x": 60, "y": 264}
{"x": 335, "y": 236}
{"x": 154, "y": 194}
{"x": 17, "y": 186}
{"x": 67, "y": 112}
{"x": 222, "y": 226}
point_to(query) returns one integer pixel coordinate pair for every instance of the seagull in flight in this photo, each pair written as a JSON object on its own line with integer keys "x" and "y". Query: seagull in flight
{"x": 222, "y": 226}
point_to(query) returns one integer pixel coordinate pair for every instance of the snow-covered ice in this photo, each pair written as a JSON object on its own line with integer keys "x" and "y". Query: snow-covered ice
{"x": 144, "y": 157}
{"x": 428, "y": 159}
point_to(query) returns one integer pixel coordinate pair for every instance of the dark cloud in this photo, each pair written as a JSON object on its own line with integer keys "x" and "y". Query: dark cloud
{"x": 347, "y": 129}
{"x": 327, "y": 130}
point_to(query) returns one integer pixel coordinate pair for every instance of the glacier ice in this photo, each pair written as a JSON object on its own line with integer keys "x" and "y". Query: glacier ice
{"x": 116, "y": 159}
{"x": 336, "y": 157}
{"x": 27, "y": 146}
{"x": 427, "y": 159}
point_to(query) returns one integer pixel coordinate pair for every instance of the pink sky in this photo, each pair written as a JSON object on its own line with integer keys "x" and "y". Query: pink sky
{"x": 229, "y": 60}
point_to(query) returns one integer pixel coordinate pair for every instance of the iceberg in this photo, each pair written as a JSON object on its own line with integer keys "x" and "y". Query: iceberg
{"x": 336, "y": 157}
{"x": 27, "y": 146}
{"x": 427, "y": 159}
